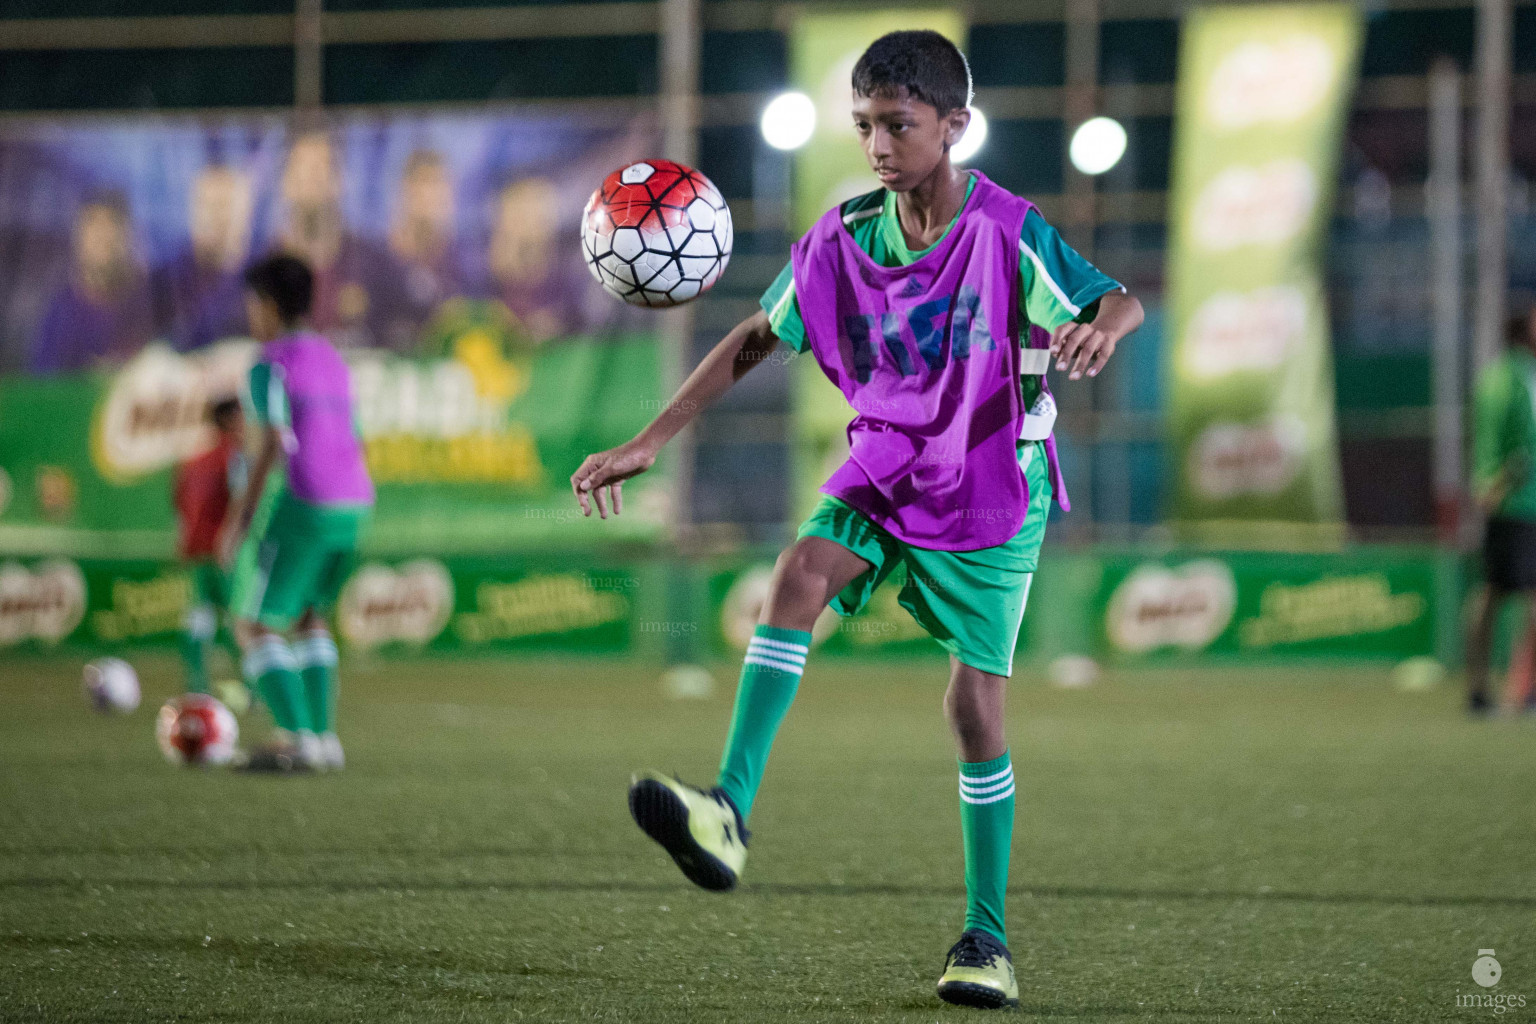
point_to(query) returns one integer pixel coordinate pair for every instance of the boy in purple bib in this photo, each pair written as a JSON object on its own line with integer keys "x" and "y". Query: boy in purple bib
{"x": 299, "y": 521}
{"x": 935, "y": 304}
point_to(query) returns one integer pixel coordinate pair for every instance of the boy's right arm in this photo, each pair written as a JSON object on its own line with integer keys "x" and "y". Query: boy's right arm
{"x": 601, "y": 476}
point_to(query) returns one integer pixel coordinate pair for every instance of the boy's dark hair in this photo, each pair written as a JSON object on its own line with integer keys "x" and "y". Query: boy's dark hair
{"x": 928, "y": 66}
{"x": 223, "y": 412}
{"x": 287, "y": 281}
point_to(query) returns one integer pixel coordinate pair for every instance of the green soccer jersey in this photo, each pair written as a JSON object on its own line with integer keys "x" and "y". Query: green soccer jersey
{"x": 265, "y": 401}
{"x": 296, "y": 554}
{"x": 1056, "y": 285}
{"x": 1504, "y": 432}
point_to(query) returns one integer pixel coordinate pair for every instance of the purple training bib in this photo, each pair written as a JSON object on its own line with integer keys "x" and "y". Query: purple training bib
{"x": 325, "y": 458}
{"x": 927, "y": 356}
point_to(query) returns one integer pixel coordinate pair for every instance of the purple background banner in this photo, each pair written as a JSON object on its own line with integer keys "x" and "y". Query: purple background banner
{"x": 116, "y": 232}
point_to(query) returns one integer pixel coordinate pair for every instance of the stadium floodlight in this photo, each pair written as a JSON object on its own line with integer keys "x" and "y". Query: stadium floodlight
{"x": 788, "y": 120}
{"x": 974, "y": 138}
{"x": 1097, "y": 145}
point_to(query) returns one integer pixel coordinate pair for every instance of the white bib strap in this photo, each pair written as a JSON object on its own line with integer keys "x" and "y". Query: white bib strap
{"x": 1034, "y": 362}
{"x": 1040, "y": 419}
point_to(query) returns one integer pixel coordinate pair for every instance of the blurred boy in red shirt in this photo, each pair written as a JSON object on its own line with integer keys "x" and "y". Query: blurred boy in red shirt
{"x": 203, "y": 488}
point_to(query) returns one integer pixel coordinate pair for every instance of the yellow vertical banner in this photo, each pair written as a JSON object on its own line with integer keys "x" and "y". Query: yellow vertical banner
{"x": 1262, "y": 95}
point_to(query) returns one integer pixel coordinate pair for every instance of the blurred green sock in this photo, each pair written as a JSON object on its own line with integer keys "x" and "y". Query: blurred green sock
{"x": 316, "y": 655}
{"x": 270, "y": 669}
{"x": 197, "y": 630}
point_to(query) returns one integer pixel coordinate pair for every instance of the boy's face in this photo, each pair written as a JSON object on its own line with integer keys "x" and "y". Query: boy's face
{"x": 904, "y": 138}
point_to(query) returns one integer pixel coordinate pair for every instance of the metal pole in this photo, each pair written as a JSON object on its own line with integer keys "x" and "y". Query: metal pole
{"x": 308, "y": 54}
{"x": 680, "y": 40}
{"x": 1446, "y": 289}
{"x": 1080, "y": 100}
{"x": 1495, "y": 20}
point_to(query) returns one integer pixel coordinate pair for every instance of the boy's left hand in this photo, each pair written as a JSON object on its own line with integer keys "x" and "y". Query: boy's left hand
{"x": 1088, "y": 346}
{"x": 1082, "y": 347}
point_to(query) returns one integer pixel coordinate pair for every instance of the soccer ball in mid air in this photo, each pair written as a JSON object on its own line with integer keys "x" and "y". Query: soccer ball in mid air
{"x": 656, "y": 233}
{"x": 196, "y": 729}
{"x": 111, "y": 685}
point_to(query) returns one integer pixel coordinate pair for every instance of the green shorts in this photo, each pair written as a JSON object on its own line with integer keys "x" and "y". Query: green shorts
{"x": 295, "y": 558}
{"x": 971, "y": 602}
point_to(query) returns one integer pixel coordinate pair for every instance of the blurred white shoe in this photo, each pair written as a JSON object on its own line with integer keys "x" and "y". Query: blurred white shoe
{"x": 335, "y": 759}
{"x": 309, "y": 750}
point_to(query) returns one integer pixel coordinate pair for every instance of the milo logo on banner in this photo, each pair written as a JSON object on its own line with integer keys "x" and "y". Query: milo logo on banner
{"x": 1237, "y": 332}
{"x": 1274, "y": 80}
{"x": 381, "y": 604}
{"x": 1188, "y": 607}
{"x": 1255, "y": 205}
{"x": 1230, "y": 459}
{"x": 154, "y": 413}
{"x": 44, "y": 603}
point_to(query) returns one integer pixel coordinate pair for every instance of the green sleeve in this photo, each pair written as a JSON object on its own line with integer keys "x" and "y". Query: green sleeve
{"x": 1492, "y": 406}
{"x": 1057, "y": 285}
{"x": 265, "y": 398}
{"x": 783, "y": 309}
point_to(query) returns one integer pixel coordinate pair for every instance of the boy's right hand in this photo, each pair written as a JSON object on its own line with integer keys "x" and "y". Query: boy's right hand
{"x": 606, "y": 472}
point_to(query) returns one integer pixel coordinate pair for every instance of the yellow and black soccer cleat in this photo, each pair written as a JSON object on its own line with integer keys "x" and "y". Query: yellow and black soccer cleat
{"x": 700, "y": 829}
{"x": 979, "y": 972}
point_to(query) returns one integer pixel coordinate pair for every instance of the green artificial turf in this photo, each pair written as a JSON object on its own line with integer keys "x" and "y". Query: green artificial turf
{"x": 1273, "y": 845}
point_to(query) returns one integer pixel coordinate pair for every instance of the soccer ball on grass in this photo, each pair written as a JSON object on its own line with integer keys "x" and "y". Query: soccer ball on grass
{"x": 111, "y": 686}
{"x": 196, "y": 729}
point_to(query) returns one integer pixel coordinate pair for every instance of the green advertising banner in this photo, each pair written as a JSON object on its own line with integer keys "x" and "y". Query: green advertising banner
{"x": 1131, "y": 608}
{"x": 830, "y": 169}
{"x": 1262, "y": 95}
{"x": 1120, "y": 607}
{"x": 1251, "y": 606}
{"x": 471, "y": 450}
{"x": 573, "y": 603}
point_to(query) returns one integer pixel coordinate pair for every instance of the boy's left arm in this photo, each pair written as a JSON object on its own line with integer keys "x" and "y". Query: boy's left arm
{"x": 1086, "y": 347}
{"x": 265, "y": 404}
{"x": 269, "y": 448}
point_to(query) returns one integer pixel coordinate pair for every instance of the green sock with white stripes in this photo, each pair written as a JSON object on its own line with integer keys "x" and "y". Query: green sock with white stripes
{"x": 315, "y": 653}
{"x": 770, "y": 675}
{"x": 986, "y": 822}
{"x": 271, "y": 670}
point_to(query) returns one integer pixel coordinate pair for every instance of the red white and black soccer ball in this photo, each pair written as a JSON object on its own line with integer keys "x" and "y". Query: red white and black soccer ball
{"x": 111, "y": 686}
{"x": 656, "y": 233}
{"x": 196, "y": 729}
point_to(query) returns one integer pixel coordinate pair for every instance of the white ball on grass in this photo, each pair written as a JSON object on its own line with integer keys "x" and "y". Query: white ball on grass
{"x": 111, "y": 686}
{"x": 1073, "y": 671}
